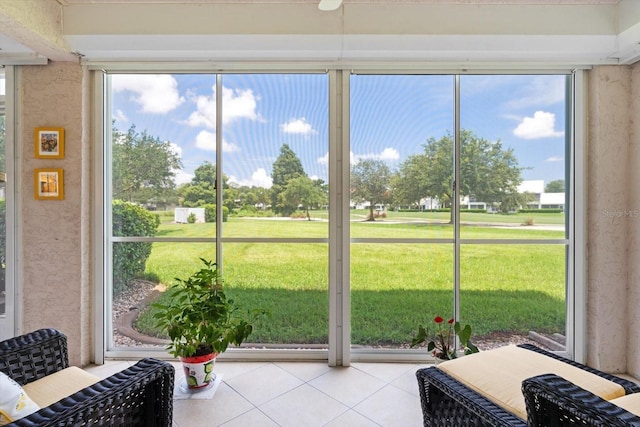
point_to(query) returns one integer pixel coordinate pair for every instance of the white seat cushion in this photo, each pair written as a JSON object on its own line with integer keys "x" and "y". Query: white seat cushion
{"x": 61, "y": 384}
{"x": 498, "y": 374}
{"x": 630, "y": 402}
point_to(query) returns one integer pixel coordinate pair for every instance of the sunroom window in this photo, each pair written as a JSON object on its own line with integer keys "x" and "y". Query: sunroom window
{"x": 460, "y": 205}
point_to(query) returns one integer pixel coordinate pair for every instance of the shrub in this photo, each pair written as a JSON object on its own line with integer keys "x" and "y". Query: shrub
{"x": 247, "y": 210}
{"x": 130, "y": 258}
{"x": 250, "y": 211}
{"x": 210, "y": 212}
{"x": 191, "y": 219}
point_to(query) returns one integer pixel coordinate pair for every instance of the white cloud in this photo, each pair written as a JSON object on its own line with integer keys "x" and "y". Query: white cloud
{"x": 299, "y": 126}
{"x": 205, "y": 114}
{"x": 156, "y": 94}
{"x": 206, "y": 140}
{"x": 120, "y": 116}
{"x": 324, "y": 160}
{"x": 259, "y": 178}
{"x": 237, "y": 104}
{"x": 182, "y": 177}
{"x": 554, "y": 159}
{"x": 541, "y": 125}
{"x": 177, "y": 150}
{"x": 388, "y": 154}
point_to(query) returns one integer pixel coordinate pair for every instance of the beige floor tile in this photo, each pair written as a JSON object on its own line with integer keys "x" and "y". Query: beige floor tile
{"x": 233, "y": 369}
{"x": 253, "y": 418}
{"x": 408, "y": 382}
{"x": 304, "y": 370}
{"x": 225, "y": 405}
{"x": 300, "y": 394}
{"x": 392, "y": 407}
{"x": 387, "y": 372}
{"x": 262, "y": 384}
{"x": 352, "y": 419}
{"x": 304, "y": 406}
{"x": 347, "y": 385}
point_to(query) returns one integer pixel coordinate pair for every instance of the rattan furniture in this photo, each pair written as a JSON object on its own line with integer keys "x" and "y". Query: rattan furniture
{"x": 447, "y": 402}
{"x": 141, "y": 395}
{"x": 553, "y": 401}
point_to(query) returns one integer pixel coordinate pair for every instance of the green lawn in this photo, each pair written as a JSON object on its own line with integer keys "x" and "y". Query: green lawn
{"x": 512, "y": 288}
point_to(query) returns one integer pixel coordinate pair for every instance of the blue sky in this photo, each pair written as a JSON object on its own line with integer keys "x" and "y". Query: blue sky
{"x": 392, "y": 116}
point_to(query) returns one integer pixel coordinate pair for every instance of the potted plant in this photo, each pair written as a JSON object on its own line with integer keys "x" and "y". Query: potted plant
{"x": 442, "y": 345}
{"x": 202, "y": 322}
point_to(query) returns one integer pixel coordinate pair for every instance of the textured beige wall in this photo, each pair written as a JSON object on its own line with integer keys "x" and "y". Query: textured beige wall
{"x": 608, "y": 190}
{"x": 54, "y": 258}
{"x": 633, "y": 302}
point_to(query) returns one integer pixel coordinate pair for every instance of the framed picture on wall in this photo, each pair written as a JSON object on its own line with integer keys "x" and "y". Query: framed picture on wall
{"x": 49, "y": 143}
{"x": 49, "y": 184}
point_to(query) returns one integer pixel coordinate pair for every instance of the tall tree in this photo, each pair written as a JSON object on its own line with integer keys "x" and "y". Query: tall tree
{"x": 303, "y": 191}
{"x": 556, "y": 186}
{"x": 488, "y": 172}
{"x": 143, "y": 166}
{"x": 286, "y": 167}
{"x": 202, "y": 188}
{"x": 409, "y": 184}
{"x": 370, "y": 182}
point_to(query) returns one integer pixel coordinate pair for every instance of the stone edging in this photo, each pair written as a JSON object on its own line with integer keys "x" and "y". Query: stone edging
{"x": 124, "y": 323}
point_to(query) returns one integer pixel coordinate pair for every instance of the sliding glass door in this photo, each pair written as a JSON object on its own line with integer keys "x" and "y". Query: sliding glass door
{"x": 459, "y": 196}
{"x": 228, "y": 168}
{"x": 460, "y": 193}
{"x": 515, "y": 147}
{"x": 401, "y": 231}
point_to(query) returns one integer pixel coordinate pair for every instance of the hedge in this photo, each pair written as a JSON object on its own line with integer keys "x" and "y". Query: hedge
{"x": 210, "y": 212}
{"x": 130, "y": 258}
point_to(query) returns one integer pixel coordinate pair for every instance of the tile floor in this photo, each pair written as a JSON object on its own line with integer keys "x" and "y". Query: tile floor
{"x": 301, "y": 394}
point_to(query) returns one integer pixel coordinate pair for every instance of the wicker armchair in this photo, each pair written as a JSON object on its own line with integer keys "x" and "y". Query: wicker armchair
{"x": 446, "y": 402}
{"x": 553, "y": 401}
{"x": 141, "y": 395}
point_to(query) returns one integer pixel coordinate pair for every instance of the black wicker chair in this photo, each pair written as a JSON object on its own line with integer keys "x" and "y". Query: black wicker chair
{"x": 553, "y": 401}
{"x": 141, "y": 395}
{"x": 447, "y": 402}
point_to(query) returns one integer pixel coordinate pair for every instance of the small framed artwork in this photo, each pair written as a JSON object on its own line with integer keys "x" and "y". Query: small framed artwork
{"x": 49, "y": 143}
{"x": 49, "y": 184}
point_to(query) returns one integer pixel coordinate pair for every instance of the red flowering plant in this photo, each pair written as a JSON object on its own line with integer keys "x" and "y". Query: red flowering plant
{"x": 442, "y": 344}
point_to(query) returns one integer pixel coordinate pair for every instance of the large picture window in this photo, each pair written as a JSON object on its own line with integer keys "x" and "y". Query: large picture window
{"x": 459, "y": 194}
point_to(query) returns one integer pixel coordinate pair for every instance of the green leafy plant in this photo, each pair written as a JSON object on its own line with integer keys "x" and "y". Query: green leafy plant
{"x": 200, "y": 319}
{"x": 210, "y": 212}
{"x": 130, "y": 258}
{"x": 442, "y": 344}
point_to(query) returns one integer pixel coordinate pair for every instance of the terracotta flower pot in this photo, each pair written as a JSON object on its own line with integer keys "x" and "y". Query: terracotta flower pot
{"x": 198, "y": 370}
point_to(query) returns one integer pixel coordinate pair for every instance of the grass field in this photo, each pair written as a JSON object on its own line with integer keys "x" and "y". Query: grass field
{"x": 394, "y": 287}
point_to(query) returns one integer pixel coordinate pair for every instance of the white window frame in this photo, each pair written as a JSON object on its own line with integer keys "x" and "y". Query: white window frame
{"x": 339, "y": 352}
{"x": 11, "y": 320}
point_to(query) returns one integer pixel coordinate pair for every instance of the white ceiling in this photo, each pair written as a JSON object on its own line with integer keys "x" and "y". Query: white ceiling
{"x": 580, "y": 32}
